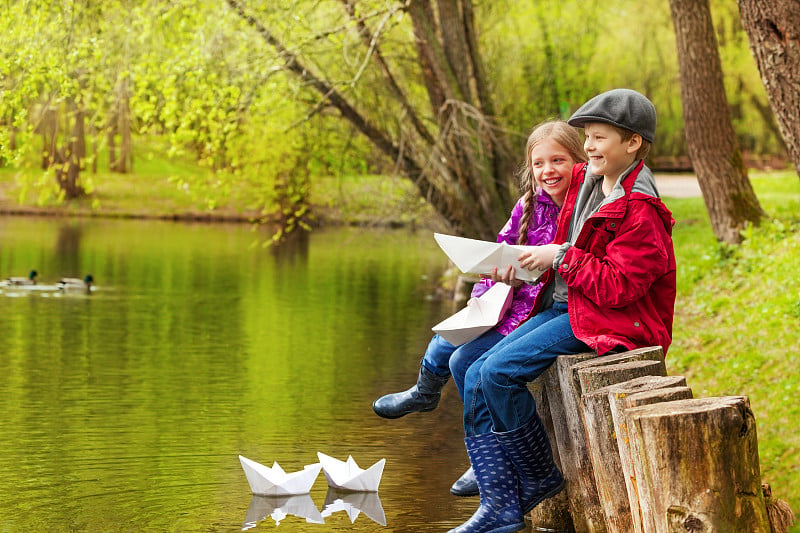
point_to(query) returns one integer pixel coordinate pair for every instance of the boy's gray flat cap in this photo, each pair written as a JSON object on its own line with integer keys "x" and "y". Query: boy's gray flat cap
{"x": 621, "y": 107}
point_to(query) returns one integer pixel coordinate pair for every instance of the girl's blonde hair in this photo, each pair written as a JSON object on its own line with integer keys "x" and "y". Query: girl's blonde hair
{"x": 563, "y": 134}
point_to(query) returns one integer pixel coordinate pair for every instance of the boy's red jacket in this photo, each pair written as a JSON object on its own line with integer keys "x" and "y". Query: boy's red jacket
{"x": 620, "y": 271}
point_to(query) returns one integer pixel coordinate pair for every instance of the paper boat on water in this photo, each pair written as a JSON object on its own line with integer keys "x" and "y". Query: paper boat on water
{"x": 477, "y": 318}
{"x": 346, "y": 475}
{"x": 274, "y": 481}
{"x": 354, "y": 503}
{"x": 279, "y": 507}
{"x": 472, "y": 256}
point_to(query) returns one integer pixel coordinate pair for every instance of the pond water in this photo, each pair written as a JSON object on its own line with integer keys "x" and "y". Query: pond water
{"x": 126, "y": 409}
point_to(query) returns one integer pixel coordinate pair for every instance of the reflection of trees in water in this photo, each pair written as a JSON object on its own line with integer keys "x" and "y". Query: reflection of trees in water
{"x": 67, "y": 250}
{"x": 292, "y": 249}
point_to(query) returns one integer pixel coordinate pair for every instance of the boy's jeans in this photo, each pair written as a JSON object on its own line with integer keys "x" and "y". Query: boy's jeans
{"x": 497, "y": 396}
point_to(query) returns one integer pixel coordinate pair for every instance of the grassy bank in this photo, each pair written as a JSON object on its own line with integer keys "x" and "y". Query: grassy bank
{"x": 173, "y": 189}
{"x": 737, "y": 315}
{"x": 737, "y": 321}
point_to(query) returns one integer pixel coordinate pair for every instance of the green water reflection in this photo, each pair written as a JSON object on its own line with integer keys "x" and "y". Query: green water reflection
{"x": 125, "y": 410}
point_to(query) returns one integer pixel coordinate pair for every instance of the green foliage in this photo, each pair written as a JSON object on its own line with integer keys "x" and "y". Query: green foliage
{"x": 737, "y": 318}
{"x": 202, "y": 79}
{"x": 550, "y": 57}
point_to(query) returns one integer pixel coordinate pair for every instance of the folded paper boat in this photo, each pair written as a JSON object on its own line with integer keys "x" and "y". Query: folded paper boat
{"x": 346, "y": 475}
{"x": 274, "y": 481}
{"x": 477, "y": 318}
{"x": 472, "y": 256}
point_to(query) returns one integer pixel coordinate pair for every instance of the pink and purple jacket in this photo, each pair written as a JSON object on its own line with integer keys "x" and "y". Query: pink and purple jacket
{"x": 541, "y": 230}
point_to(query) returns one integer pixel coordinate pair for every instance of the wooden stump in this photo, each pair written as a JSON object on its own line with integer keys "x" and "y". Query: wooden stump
{"x": 604, "y": 452}
{"x": 701, "y": 458}
{"x": 564, "y": 391}
{"x": 584, "y": 504}
{"x": 553, "y": 513}
{"x": 648, "y": 389}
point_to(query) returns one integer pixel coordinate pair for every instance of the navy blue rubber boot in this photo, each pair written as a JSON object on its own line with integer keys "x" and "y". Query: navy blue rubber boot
{"x": 423, "y": 396}
{"x": 528, "y": 448}
{"x": 499, "y": 510}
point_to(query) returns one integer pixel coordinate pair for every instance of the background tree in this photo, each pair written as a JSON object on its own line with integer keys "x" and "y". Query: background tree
{"x": 455, "y": 152}
{"x": 712, "y": 146}
{"x": 774, "y": 30}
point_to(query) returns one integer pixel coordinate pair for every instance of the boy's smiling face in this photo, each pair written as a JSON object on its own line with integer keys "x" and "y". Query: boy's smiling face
{"x": 609, "y": 155}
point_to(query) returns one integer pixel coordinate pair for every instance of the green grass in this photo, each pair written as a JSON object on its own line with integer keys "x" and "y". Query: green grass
{"x": 737, "y": 321}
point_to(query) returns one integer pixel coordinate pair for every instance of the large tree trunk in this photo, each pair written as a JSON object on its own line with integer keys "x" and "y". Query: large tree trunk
{"x": 773, "y": 27}
{"x": 453, "y": 152}
{"x": 715, "y": 155}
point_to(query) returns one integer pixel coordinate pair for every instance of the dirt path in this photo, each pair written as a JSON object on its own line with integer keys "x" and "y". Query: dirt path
{"x": 678, "y": 185}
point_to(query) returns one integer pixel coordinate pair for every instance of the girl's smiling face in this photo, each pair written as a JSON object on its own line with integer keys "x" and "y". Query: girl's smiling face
{"x": 552, "y": 165}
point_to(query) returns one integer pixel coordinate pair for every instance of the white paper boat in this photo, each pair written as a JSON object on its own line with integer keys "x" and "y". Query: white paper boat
{"x": 279, "y": 507}
{"x": 354, "y": 503}
{"x": 477, "y": 318}
{"x": 346, "y": 475}
{"x": 480, "y": 257}
{"x": 274, "y": 481}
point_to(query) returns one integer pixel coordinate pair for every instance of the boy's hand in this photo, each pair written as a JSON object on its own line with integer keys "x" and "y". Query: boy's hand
{"x": 540, "y": 258}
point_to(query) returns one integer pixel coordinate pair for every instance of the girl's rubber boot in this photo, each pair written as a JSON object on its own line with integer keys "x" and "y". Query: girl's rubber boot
{"x": 499, "y": 510}
{"x": 528, "y": 448}
{"x": 466, "y": 485}
{"x": 423, "y": 396}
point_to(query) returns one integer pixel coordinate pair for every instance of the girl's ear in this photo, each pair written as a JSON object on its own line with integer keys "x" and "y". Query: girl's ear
{"x": 634, "y": 143}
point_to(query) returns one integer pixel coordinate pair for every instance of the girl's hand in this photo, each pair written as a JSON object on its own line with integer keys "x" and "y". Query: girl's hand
{"x": 540, "y": 258}
{"x": 506, "y": 276}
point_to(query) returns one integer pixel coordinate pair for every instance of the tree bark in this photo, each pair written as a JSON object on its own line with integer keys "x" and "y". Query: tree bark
{"x": 604, "y": 452}
{"x": 773, "y": 27}
{"x": 702, "y": 455}
{"x": 715, "y": 155}
{"x": 635, "y": 472}
{"x": 616, "y": 397}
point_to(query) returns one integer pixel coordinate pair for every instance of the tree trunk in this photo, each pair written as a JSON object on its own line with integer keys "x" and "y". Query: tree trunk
{"x": 639, "y": 490}
{"x": 702, "y": 456}
{"x": 715, "y": 155}
{"x": 120, "y": 124}
{"x": 67, "y": 159}
{"x": 563, "y": 388}
{"x": 773, "y": 27}
{"x": 602, "y": 439}
{"x": 616, "y": 397}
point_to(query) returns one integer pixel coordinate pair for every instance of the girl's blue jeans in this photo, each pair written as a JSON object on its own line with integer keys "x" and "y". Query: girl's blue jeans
{"x": 496, "y": 384}
{"x": 442, "y": 358}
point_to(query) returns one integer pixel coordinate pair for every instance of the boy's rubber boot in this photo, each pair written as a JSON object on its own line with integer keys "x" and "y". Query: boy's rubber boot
{"x": 528, "y": 448}
{"x": 423, "y": 396}
{"x": 466, "y": 485}
{"x": 499, "y": 510}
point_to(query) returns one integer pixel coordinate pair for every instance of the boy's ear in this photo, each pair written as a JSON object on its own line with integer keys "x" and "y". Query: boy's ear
{"x": 634, "y": 143}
